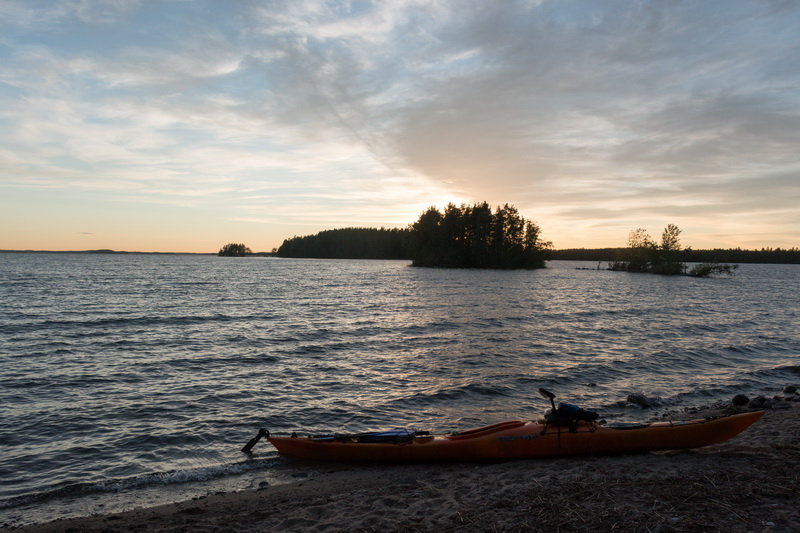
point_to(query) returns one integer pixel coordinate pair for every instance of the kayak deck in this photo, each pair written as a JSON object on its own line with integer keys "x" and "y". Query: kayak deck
{"x": 517, "y": 439}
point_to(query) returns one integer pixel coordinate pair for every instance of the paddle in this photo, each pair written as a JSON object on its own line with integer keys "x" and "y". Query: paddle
{"x": 395, "y": 436}
{"x": 550, "y": 396}
{"x": 249, "y": 446}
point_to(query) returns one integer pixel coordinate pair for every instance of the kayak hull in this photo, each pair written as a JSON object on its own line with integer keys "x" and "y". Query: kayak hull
{"x": 517, "y": 439}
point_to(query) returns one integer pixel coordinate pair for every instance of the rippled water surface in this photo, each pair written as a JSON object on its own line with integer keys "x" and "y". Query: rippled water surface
{"x": 135, "y": 379}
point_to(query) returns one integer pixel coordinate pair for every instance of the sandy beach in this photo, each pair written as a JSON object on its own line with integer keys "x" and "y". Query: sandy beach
{"x": 750, "y": 483}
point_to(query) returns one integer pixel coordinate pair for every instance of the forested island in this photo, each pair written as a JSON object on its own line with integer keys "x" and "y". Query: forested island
{"x": 472, "y": 236}
{"x": 469, "y": 236}
{"x": 234, "y": 249}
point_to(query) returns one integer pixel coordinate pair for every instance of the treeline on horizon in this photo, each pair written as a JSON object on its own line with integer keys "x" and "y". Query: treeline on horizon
{"x": 789, "y": 256}
{"x": 474, "y": 236}
{"x": 350, "y": 243}
{"x": 469, "y": 236}
{"x": 374, "y": 243}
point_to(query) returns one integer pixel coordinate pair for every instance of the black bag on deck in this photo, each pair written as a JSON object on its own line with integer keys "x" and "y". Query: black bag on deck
{"x": 567, "y": 412}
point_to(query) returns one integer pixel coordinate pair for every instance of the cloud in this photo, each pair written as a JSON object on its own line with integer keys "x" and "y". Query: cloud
{"x": 44, "y": 15}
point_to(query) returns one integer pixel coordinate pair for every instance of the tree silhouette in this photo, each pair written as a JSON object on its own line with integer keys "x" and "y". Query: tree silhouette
{"x": 471, "y": 236}
{"x": 645, "y": 255}
{"x": 666, "y": 259}
{"x": 234, "y": 250}
{"x": 349, "y": 243}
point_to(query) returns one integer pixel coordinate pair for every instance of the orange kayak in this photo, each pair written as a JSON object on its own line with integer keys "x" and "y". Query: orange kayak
{"x": 516, "y": 439}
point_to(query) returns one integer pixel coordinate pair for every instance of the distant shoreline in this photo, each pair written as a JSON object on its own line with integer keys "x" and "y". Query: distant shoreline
{"x": 115, "y": 252}
{"x": 765, "y": 256}
{"x": 101, "y": 252}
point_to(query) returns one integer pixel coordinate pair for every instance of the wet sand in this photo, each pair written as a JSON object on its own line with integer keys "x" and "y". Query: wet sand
{"x": 750, "y": 483}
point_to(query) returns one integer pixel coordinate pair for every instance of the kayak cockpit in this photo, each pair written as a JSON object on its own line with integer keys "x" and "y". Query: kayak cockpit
{"x": 485, "y": 430}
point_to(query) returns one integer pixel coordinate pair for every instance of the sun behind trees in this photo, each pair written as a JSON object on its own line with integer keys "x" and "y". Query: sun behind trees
{"x": 471, "y": 236}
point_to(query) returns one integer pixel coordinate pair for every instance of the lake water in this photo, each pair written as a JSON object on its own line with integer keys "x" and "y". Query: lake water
{"x": 131, "y": 380}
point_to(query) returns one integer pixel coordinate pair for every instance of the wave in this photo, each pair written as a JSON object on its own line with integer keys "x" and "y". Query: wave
{"x": 173, "y": 477}
{"x": 144, "y": 323}
{"x": 452, "y": 393}
{"x": 790, "y": 374}
{"x": 765, "y": 381}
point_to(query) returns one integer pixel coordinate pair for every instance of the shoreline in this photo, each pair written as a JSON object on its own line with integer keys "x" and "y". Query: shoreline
{"x": 558, "y": 255}
{"x": 749, "y": 483}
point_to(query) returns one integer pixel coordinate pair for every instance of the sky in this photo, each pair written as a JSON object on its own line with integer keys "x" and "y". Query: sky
{"x": 181, "y": 126}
